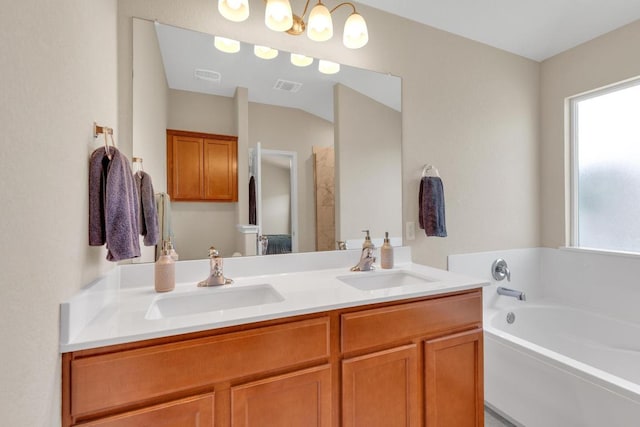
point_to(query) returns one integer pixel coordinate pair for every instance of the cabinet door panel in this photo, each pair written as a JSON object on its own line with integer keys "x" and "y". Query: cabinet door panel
{"x": 187, "y": 168}
{"x": 301, "y": 398}
{"x": 220, "y": 165}
{"x": 192, "y": 412}
{"x": 380, "y": 389}
{"x": 454, "y": 380}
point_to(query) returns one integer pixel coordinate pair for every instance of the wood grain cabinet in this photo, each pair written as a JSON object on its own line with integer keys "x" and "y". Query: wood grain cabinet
{"x": 202, "y": 167}
{"x": 408, "y": 363}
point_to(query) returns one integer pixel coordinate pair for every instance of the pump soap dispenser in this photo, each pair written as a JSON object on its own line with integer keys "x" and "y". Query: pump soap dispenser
{"x": 165, "y": 271}
{"x": 367, "y": 241}
{"x": 386, "y": 252}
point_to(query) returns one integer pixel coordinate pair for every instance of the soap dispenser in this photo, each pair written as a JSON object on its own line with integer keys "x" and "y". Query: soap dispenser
{"x": 386, "y": 252}
{"x": 172, "y": 252}
{"x": 165, "y": 271}
{"x": 367, "y": 241}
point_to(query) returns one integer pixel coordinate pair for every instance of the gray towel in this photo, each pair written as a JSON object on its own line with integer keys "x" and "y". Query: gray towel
{"x": 252, "y": 201}
{"x": 147, "y": 214}
{"x": 113, "y": 206}
{"x": 431, "y": 207}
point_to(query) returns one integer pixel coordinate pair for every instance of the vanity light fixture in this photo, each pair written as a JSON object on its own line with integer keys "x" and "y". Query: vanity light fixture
{"x": 224, "y": 44}
{"x": 234, "y": 10}
{"x": 328, "y": 67}
{"x": 265, "y": 52}
{"x": 278, "y": 16}
{"x": 301, "y": 60}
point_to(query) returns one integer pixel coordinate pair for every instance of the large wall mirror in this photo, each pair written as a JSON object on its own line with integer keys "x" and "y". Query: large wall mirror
{"x": 342, "y": 130}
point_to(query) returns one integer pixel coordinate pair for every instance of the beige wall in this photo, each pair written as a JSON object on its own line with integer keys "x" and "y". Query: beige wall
{"x": 469, "y": 109}
{"x": 58, "y": 68}
{"x": 608, "y": 59}
{"x": 368, "y": 166}
{"x": 289, "y": 129}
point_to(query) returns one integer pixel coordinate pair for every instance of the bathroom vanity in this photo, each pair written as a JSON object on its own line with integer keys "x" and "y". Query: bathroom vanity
{"x": 394, "y": 347}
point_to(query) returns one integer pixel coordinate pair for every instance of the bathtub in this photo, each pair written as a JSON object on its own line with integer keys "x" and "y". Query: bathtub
{"x": 556, "y": 365}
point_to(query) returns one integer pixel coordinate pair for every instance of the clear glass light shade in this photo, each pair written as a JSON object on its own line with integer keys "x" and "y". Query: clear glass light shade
{"x": 301, "y": 60}
{"x": 224, "y": 44}
{"x": 320, "y": 26}
{"x": 278, "y": 15}
{"x": 328, "y": 67}
{"x": 355, "y": 32}
{"x": 234, "y": 10}
{"x": 265, "y": 52}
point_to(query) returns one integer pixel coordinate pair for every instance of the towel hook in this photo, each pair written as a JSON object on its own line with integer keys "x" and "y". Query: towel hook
{"x": 430, "y": 170}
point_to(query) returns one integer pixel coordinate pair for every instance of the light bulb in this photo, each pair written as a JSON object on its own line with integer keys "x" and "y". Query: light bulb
{"x": 278, "y": 15}
{"x": 320, "y": 26}
{"x": 355, "y": 32}
{"x": 234, "y": 10}
{"x": 301, "y": 60}
{"x": 328, "y": 67}
{"x": 226, "y": 45}
{"x": 265, "y": 52}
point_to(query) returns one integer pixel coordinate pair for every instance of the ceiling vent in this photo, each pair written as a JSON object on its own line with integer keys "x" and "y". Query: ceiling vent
{"x": 208, "y": 75}
{"x": 287, "y": 86}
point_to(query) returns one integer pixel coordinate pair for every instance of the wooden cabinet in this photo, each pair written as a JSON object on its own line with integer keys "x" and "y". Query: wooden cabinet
{"x": 381, "y": 389}
{"x": 191, "y": 412}
{"x": 301, "y": 398}
{"x": 410, "y": 363}
{"x": 454, "y": 380}
{"x": 202, "y": 167}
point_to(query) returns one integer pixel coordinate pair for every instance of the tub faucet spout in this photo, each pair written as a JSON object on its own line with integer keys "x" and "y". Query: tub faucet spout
{"x": 519, "y": 295}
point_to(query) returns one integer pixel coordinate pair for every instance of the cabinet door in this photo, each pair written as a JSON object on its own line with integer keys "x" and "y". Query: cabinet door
{"x": 191, "y": 412}
{"x": 220, "y": 166}
{"x": 454, "y": 380}
{"x": 186, "y": 168}
{"x": 381, "y": 389}
{"x": 301, "y": 398}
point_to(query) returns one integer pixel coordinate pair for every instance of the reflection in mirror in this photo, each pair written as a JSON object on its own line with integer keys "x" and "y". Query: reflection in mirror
{"x": 181, "y": 81}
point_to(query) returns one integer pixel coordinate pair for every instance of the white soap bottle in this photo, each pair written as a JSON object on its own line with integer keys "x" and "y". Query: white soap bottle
{"x": 386, "y": 252}
{"x": 165, "y": 271}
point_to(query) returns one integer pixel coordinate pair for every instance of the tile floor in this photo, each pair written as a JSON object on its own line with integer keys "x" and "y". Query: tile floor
{"x": 491, "y": 419}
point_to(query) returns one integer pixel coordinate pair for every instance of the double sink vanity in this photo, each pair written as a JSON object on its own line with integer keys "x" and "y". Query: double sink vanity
{"x": 297, "y": 340}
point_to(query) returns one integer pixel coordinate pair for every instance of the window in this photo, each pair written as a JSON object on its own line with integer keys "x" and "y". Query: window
{"x": 606, "y": 169}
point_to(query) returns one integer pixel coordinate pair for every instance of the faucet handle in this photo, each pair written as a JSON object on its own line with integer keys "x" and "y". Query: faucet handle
{"x": 500, "y": 270}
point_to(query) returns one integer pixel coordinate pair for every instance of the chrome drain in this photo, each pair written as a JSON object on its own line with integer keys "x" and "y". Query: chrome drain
{"x": 511, "y": 317}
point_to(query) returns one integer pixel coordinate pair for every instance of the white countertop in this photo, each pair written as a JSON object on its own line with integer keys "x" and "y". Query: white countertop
{"x": 108, "y": 312}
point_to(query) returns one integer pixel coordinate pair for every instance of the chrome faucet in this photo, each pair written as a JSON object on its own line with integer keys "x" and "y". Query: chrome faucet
{"x": 216, "y": 275}
{"x": 512, "y": 293}
{"x": 499, "y": 270}
{"x": 366, "y": 260}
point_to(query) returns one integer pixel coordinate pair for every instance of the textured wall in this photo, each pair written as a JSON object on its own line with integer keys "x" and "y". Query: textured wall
{"x": 58, "y": 67}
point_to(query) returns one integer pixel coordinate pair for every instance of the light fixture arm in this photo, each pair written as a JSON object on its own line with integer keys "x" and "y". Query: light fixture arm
{"x": 346, "y": 3}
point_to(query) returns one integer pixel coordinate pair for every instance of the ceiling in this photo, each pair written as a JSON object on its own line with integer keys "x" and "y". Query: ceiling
{"x": 185, "y": 51}
{"x": 534, "y": 29}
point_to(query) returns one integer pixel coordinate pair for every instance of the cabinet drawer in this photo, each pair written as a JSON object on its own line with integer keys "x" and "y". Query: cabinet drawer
{"x": 100, "y": 383}
{"x": 191, "y": 412}
{"x": 380, "y": 326}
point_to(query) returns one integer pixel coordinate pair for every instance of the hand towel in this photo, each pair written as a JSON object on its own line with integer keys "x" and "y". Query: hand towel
{"x": 431, "y": 206}
{"x": 252, "y": 201}
{"x": 147, "y": 214}
{"x": 113, "y": 206}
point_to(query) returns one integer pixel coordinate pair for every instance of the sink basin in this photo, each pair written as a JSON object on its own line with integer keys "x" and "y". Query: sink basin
{"x": 371, "y": 281}
{"x": 212, "y": 299}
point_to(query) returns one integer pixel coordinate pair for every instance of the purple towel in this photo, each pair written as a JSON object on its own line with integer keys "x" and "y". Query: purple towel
{"x": 431, "y": 207}
{"x": 113, "y": 205}
{"x": 147, "y": 214}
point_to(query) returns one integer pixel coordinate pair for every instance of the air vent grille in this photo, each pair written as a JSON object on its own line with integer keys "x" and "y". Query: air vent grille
{"x": 287, "y": 86}
{"x": 208, "y": 75}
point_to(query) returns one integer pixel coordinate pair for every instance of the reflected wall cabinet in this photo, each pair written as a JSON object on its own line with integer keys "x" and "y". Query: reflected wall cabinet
{"x": 202, "y": 167}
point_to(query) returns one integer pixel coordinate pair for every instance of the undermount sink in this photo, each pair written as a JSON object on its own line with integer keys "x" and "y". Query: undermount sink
{"x": 371, "y": 281}
{"x": 212, "y": 299}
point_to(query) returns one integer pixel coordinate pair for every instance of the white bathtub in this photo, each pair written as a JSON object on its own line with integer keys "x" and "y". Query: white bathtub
{"x": 560, "y": 366}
